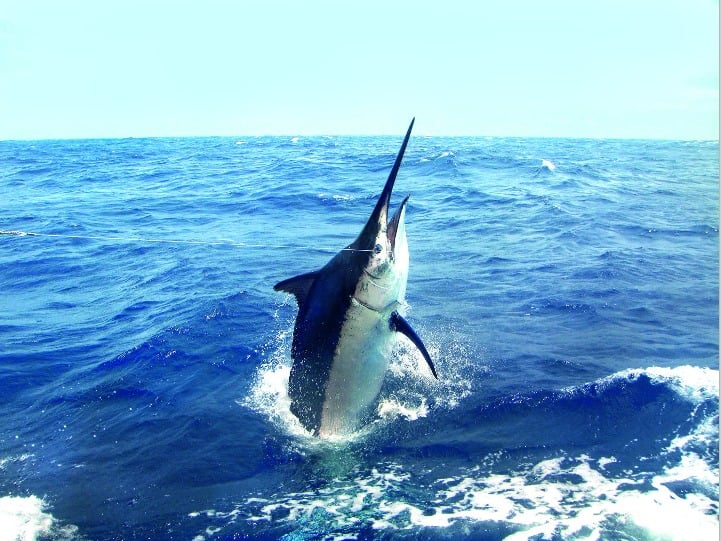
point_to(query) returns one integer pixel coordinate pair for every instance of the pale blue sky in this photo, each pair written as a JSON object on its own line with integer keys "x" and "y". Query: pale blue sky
{"x": 117, "y": 68}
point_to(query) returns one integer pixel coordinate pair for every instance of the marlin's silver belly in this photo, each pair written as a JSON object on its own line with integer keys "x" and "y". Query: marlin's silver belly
{"x": 359, "y": 366}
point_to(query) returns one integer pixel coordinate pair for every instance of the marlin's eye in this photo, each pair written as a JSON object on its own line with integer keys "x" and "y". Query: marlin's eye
{"x": 378, "y": 249}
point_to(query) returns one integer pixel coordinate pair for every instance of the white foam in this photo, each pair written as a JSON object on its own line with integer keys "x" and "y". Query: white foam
{"x": 336, "y": 197}
{"x": 664, "y": 515}
{"x": 269, "y": 397}
{"x": 26, "y": 519}
{"x": 605, "y": 461}
{"x": 692, "y": 382}
{"x": 413, "y": 381}
{"x": 393, "y": 408}
{"x": 541, "y": 508}
{"x": 561, "y": 497}
{"x": 23, "y": 518}
{"x": 8, "y": 460}
{"x": 548, "y": 164}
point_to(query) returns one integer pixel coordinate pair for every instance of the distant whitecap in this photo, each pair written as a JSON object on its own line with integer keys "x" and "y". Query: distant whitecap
{"x": 547, "y": 164}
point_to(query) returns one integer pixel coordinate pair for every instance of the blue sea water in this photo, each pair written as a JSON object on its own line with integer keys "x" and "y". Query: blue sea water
{"x": 566, "y": 289}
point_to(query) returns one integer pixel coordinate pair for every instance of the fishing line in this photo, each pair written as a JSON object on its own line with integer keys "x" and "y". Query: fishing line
{"x": 17, "y": 233}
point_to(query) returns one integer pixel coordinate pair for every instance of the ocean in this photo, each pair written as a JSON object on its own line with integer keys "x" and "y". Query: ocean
{"x": 566, "y": 289}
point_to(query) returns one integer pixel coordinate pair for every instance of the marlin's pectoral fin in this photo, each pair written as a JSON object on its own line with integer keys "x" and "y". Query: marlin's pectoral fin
{"x": 298, "y": 285}
{"x": 398, "y": 324}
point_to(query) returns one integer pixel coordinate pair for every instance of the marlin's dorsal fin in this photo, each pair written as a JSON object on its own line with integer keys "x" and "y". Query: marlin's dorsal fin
{"x": 398, "y": 324}
{"x": 298, "y": 285}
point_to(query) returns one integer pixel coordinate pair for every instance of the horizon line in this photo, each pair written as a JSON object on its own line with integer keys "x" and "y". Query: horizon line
{"x": 291, "y": 136}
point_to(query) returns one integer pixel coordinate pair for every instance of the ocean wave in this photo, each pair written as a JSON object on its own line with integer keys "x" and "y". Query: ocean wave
{"x": 570, "y": 496}
{"x": 442, "y": 164}
{"x": 692, "y": 383}
{"x": 546, "y": 167}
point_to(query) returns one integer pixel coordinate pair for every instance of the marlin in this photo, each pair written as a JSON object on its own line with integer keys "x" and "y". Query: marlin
{"x": 348, "y": 319}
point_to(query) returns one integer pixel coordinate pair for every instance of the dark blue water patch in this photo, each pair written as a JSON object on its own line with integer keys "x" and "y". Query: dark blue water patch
{"x": 144, "y": 392}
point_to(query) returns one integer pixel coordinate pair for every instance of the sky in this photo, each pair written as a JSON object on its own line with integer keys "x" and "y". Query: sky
{"x": 552, "y": 68}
